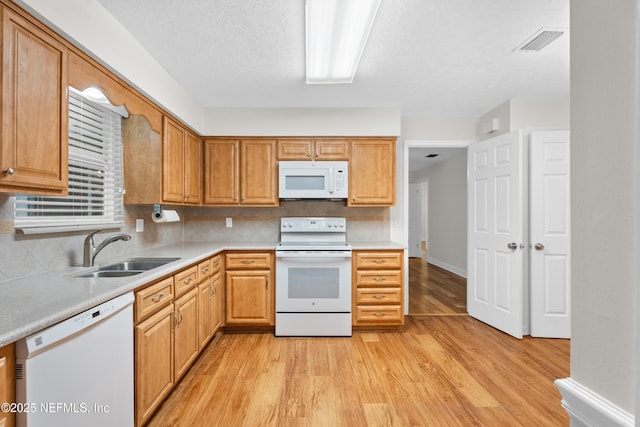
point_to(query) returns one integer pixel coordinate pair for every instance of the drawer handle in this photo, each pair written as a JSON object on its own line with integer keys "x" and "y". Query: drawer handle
{"x": 379, "y": 261}
{"x": 205, "y": 270}
{"x": 157, "y": 298}
{"x": 248, "y": 261}
{"x": 379, "y": 279}
{"x": 216, "y": 265}
{"x": 187, "y": 280}
{"x": 379, "y": 314}
{"x": 379, "y": 296}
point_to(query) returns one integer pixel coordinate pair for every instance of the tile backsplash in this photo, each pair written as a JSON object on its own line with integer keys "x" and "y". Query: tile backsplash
{"x": 25, "y": 255}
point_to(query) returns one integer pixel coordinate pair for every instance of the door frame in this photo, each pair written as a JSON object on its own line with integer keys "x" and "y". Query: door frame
{"x": 418, "y": 143}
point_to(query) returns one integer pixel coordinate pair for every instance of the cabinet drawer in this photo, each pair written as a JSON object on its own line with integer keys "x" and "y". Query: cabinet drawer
{"x": 216, "y": 264}
{"x": 384, "y": 278}
{"x": 380, "y": 314}
{"x": 386, "y": 260}
{"x": 153, "y": 298}
{"x": 261, "y": 260}
{"x": 378, "y": 296}
{"x": 186, "y": 279}
{"x": 204, "y": 270}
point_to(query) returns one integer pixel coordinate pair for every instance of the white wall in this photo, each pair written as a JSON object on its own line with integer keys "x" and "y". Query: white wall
{"x": 604, "y": 134}
{"x": 447, "y": 212}
{"x": 90, "y": 27}
{"x": 302, "y": 121}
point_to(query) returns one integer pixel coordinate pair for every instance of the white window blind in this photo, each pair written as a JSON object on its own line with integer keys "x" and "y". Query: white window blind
{"x": 95, "y": 173}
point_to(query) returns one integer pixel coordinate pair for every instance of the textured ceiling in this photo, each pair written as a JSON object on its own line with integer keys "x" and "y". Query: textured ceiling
{"x": 432, "y": 58}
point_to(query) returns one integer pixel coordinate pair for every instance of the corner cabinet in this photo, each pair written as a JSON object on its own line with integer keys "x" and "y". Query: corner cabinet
{"x": 240, "y": 172}
{"x": 34, "y": 153}
{"x": 372, "y": 172}
{"x": 161, "y": 168}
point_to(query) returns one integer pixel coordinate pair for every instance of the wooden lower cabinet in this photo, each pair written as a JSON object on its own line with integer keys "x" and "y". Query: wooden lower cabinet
{"x": 186, "y": 344}
{"x": 205, "y": 313}
{"x": 249, "y": 286}
{"x": 176, "y": 317}
{"x": 154, "y": 362}
{"x": 7, "y": 383}
{"x": 378, "y": 291}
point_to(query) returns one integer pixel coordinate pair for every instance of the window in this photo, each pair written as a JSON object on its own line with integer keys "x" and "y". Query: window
{"x": 95, "y": 172}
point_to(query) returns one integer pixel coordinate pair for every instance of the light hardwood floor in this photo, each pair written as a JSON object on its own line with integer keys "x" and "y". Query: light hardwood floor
{"x": 435, "y": 291}
{"x": 444, "y": 369}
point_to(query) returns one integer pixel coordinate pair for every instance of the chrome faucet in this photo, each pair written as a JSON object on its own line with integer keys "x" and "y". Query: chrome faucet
{"x": 90, "y": 250}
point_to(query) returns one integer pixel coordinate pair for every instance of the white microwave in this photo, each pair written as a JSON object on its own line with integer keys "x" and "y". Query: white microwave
{"x": 313, "y": 180}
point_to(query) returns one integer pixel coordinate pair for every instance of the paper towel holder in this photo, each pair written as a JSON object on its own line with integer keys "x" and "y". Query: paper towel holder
{"x": 157, "y": 211}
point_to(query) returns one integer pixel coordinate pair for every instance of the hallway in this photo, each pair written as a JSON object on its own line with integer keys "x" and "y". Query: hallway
{"x": 435, "y": 291}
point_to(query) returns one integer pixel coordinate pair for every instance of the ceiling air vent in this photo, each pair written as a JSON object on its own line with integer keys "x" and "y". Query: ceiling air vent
{"x": 540, "y": 39}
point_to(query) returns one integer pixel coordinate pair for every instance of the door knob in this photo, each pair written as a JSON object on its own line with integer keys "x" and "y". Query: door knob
{"x": 539, "y": 246}
{"x": 512, "y": 246}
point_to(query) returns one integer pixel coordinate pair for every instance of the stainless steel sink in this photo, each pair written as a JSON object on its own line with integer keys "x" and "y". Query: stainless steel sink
{"x": 111, "y": 273}
{"x": 143, "y": 264}
{"x": 129, "y": 267}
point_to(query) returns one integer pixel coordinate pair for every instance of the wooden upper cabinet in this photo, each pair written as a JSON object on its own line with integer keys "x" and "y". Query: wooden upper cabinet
{"x": 372, "y": 172}
{"x": 259, "y": 173}
{"x": 180, "y": 164}
{"x": 221, "y": 176}
{"x": 336, "y": 149}
{"x": 173, "y": 161}
{"x": 35, "y": 129}
{"x": 240, "y": 172}
{"x": 193, "y": 169}
{"x": 313, "y": 149}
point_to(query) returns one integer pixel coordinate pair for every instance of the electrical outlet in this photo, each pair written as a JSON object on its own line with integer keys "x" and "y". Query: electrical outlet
{"x": 139, "y": 225}
{"x": 229, "y": 222}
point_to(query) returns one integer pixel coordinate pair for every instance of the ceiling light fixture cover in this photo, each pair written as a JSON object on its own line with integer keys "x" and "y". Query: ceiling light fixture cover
{"x": 336, "y": 34}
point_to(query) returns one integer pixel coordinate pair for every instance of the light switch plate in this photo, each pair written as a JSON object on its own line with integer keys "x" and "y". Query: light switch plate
{"x": 139, "y": 225}
{"x": 229, "y": 222}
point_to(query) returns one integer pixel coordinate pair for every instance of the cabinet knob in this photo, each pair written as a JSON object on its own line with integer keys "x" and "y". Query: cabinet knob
{"x": 10, "y": 171}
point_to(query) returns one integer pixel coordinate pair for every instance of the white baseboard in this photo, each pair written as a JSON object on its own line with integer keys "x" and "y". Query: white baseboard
{"x": 452, "y": 268}
{"x": 588, "y": 409}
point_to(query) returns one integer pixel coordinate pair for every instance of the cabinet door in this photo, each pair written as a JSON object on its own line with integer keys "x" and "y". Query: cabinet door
{"x": 221, "y": 175}
{"x": 372, "y": 173}
{"x": 204, "y": 313}
{"x": 7, "y": 383}
{"x": 172, "y": 161}
{"x": 337, "y": 149}
{"x": 192, "y": 169}
{"x": 217, "y": 296}
{"x": 34, "y": 109}
{"x": 186, "y": 332}
{"x": 249, "y": 297}
{"x": 259, "y": 173}
{"x": 299, "y": 149}
{"x": 153, "y": 362}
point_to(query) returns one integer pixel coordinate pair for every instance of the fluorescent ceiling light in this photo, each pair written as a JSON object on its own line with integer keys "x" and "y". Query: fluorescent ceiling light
{"x": 336, "y": 33}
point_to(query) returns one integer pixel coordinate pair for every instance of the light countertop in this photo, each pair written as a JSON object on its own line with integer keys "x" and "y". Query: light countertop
{"x": 33, "y": 303}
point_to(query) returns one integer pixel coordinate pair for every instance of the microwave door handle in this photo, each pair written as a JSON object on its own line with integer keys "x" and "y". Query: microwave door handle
{"x": 331, "y": 180}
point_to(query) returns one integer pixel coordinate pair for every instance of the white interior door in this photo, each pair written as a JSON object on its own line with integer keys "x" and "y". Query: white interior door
{"x": 495, "y": 232}
{"x": 550, "y": 221}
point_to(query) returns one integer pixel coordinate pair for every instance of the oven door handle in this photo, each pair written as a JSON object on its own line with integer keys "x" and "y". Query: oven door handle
{"x": 319, "y": 256}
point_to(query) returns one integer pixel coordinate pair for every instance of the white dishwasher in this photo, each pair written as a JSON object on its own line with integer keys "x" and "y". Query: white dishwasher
{"x": 79, "y": 372}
